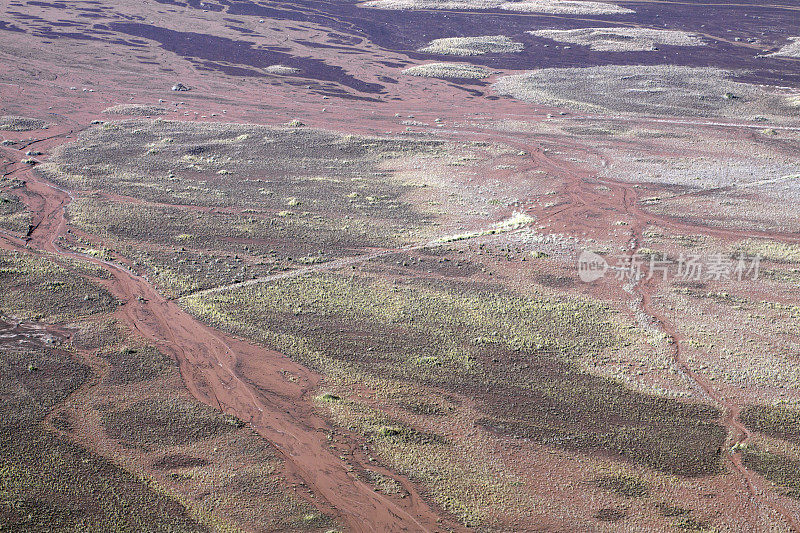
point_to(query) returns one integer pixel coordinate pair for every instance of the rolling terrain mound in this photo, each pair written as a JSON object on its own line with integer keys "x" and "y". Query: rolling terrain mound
{"x": 399, "y": 265}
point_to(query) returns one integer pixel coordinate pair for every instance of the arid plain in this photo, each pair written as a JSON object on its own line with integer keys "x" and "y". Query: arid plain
{"x": 327, "y": 266}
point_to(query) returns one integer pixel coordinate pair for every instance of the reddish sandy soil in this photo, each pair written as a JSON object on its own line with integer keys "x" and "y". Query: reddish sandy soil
{"x": 130, "y": 63}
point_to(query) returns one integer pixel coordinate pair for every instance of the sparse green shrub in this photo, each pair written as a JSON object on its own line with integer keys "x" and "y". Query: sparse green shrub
{"x": 608, "y": 514}
{"x": 779, "y": 469}
{"x": 167, "y": 422}
{"x": 368, "y": 328}
{"x": 778, "y": 422}
{"x": 624, "y": 485}
{"x": 330, "y": 397}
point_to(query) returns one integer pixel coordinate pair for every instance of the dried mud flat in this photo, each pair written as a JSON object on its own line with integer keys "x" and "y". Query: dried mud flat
{"x": 312, "y": 293}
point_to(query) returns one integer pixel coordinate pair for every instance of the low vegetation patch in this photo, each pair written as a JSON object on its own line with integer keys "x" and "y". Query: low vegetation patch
{"x": 516, "y": 356}
{"x": 287, "y": 196}
{"x": 134, "y": 365}
{"x": 15, "y": 123}
{"x": 167, "y": 422}
{"x": 383, "y": 484}
{"x": 14, "y": 216}
{"x": 423, "y": 261}
{"x": 779, "y": 422}
{"x": 330, "y": 397}
{"x": 448, "y": 70}
{"x": 179, "y": 163}
{"x": 136, "y": 110}
{"x": 471, "y": 490}
{"x": 179, "y": 460}
{"x": 573, "y": 7}
{"x": 50, "y": 484}
{"x": 621, "y": 39}
{"x": 36, "y": 288}
{"x": 774, "y": 251}
{"x": 669, "y": 510}
{"x": 624, "y": 485}
{"x": 47, "y": 483}
{"x": 35, "y": 380}
{"x": 472, "y": 46}
{"x": 610, "y": 514}
{"x": 779, "y": 469}
{"x": 659, "y": 90}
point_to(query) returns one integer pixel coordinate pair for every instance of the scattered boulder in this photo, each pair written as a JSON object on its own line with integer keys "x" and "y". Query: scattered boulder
{"x": 180, "y": 87}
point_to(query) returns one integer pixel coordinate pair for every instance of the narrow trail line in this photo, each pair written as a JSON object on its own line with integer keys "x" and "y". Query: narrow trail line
{"x": 260, "y": 386}
{"x": 338, "y": 264}
{"x": 335, "y": 264}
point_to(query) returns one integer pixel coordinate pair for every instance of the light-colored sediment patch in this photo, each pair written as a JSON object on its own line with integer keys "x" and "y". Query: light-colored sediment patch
{"x": 649, "y": 90}
{"x": 556, "y": 7}
{"x": 135, "y": 110}
{"x": 789, "y": 50}
{"x": 472, "y": 46}
{"x": 281, "y": 69}
{"x": 448, "y": 70}
{"x": 621, "y": 39}
{"x": 705, "y": 171}
{"x": 15, "y": 123}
